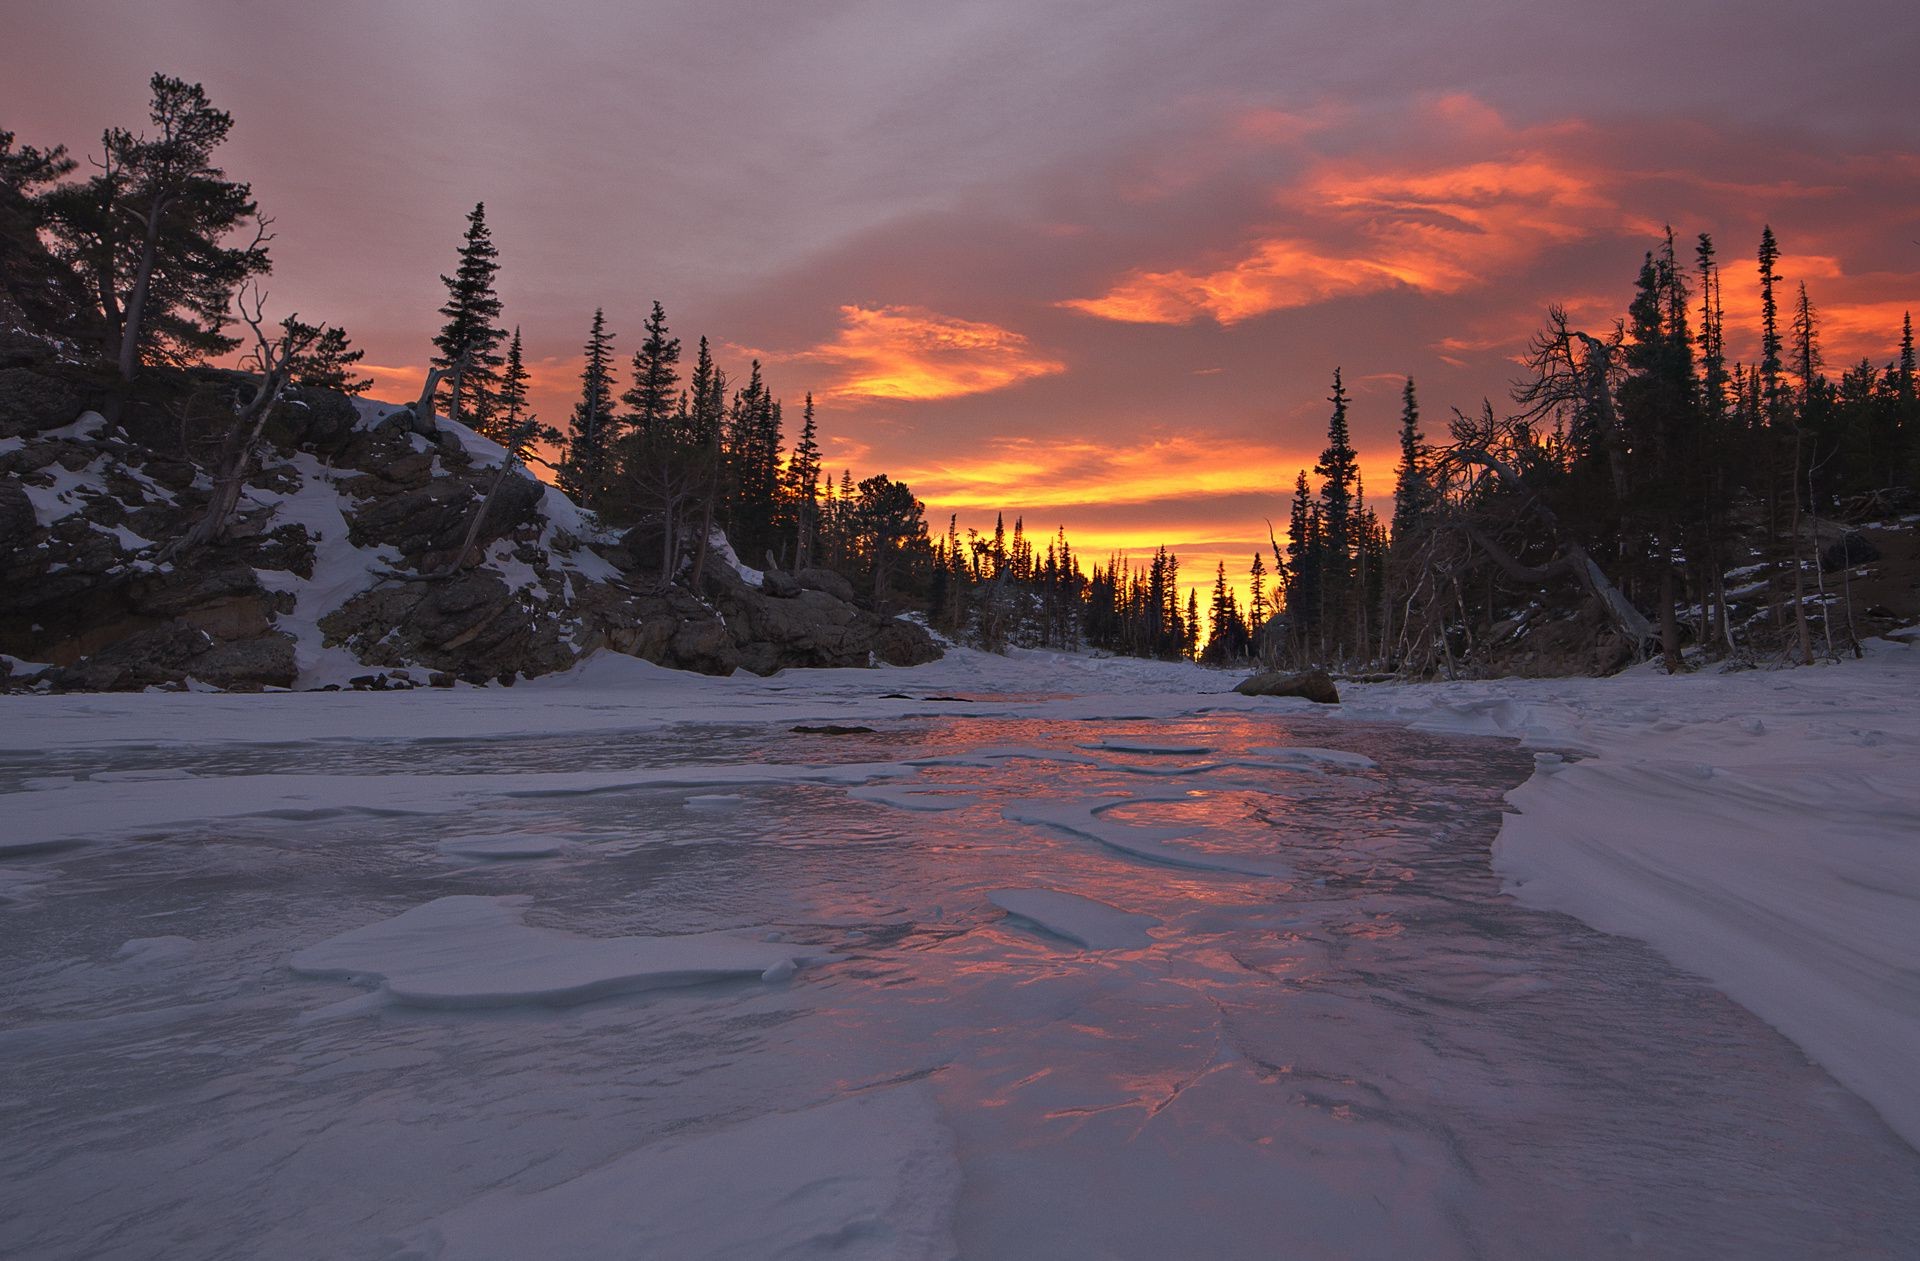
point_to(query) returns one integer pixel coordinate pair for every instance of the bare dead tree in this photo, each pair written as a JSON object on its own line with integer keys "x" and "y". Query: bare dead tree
{"x": 1477, "y": 451}
{"x": 271, "y": 361}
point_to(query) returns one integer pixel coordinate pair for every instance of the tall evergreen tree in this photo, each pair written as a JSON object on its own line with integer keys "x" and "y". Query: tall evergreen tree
{"x": 1712, "y": 335}
{"x": 587, "y": 471}
{"x": 803, "y": 487}
{"x": 1413, "y": 493}
{"x": 1770, "y": 344}
{"x": 656, "y": 379}
{"x": 467, "y": 345}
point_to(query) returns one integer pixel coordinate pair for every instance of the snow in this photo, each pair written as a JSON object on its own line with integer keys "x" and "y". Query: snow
{"x": 465, "y": 951}
{"x": 340, "y": 571}
{"x": 1082, "y": 921}
{"x": 66, "y": 496}
{"x": 868, "y": 1178}
{"x": 723, "y": 551}
{"x": 1761, "y": 828}
{"x": 1442, "y": 971}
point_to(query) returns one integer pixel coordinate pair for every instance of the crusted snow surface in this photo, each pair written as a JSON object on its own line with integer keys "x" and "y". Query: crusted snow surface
{"x": 1761, "y": 828}
{"x": 1083, "y": 921}
{"x": 871, "y": 1177}
{"x": 467, "y": 951}
{"x": 1345, "y": 1033}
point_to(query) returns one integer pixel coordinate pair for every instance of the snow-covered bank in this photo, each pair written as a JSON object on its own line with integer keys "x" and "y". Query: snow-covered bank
{"x": 997, "y": 957}
{"x": 1760, "y": 828}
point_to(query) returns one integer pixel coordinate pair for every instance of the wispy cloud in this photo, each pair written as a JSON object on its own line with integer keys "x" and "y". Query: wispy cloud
{"x": 912, "y": 354}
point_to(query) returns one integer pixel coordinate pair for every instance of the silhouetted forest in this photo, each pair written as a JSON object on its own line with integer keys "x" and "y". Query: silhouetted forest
{"x": 1633, "y": 468}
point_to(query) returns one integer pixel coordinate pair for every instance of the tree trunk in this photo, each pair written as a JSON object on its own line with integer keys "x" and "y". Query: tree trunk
{"x": 137, "y": 298}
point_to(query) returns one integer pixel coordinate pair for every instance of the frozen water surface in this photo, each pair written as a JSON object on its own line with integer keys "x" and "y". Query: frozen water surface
{"x": 1313, "y": 1026}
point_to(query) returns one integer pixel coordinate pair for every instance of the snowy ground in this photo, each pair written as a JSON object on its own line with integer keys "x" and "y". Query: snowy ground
{"x": 1066, "y": 957}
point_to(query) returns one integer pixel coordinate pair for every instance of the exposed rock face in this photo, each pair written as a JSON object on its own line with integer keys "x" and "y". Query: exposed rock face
{"x": 174, "y": 652}
{"x": 355, "y": 544}
{"x": 1313, "y": 685}
{"x": 807, "y": 627}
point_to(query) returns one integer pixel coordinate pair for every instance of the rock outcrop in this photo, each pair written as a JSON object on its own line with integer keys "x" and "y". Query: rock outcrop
{"x": 355, "y": 559}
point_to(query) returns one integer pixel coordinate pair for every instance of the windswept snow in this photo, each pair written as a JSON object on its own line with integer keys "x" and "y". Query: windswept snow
{"x": 1760, "y": 828}
{"x": 1327, "y": 1001}
{"x": 477, "y": 952}
{"x": 871, "y": 1177}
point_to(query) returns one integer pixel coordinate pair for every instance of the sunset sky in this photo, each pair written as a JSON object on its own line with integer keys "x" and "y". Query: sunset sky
{"x": 1092, "y": 262}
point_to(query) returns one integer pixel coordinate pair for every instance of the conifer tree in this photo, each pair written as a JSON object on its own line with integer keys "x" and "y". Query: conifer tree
{"x": 803, "y": 489}
{"x": 467, "y": 345}
{"x": 1807, "y": 360}
{"x": 332, "y": 363}
{"x": 1712, "y": 336}
{"x": 1257, "y": 610}
{"x": 1412, "y": 493}
{"x": 147, "y": 235}
{"x": 656, "y": 379}
{"x": 587, "y": 470}
{"x": 1770, "y": 344}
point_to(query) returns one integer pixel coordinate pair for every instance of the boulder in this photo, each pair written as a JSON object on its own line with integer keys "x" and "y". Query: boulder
{"x": 1313, "y": 685}
{"x": 1852, "y": 548}
{"x": 17, "y": 522}
{"x": 31, "y": 401}
{"x": 825, "y": 580}
{"x": 173, "y": 652}
{"x": 898, "y": 643}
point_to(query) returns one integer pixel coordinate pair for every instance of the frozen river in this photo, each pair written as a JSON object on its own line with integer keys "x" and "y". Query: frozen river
{"x": 1218, "y": 985}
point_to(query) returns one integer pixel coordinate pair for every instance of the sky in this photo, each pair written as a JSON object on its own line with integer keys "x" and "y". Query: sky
{"x": 1090, "y": 262}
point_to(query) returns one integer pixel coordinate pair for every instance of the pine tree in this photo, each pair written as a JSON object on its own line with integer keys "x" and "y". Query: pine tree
{"x": 1807, "y": 360}
{"x": 467, "y": 346}
{"x": 1257, "y": 610}
{"x": 1413, "y": 495}
{"x": 1712, "y": 336}
{"x": 587, "y": 470}
{"x": 146, "y": 235}
{"x": 331, "y": 364}
{"x": 1770, "y": 344}
{"x": 656, "y": 378}
{"x": 803, "y": 488}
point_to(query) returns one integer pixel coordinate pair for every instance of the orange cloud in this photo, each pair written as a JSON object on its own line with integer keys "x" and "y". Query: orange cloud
{"x": 1044, "y": 475}
{"x": 911, "y": 354}
{"x": 1359, "y": 230}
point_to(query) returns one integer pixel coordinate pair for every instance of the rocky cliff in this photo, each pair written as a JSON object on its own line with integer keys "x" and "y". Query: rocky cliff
{"x": 345, "y": 567}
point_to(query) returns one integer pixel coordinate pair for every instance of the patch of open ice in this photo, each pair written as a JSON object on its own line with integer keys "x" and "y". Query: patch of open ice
{"x": 503, "y": 847}
{"x": 1083, "y": 817}
{"x": 903, "y": 797}
{"x": 1165, "y": 749}
{"x": 1083, "y": 921}
{"x": 467, "y": 951}
{"x": 870, "y": 1177}
{"x": 1318, "y": 757}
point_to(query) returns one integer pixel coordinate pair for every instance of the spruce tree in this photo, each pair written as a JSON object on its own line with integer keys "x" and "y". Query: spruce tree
{"x": 803, "y": 488}
{"x": 1770, "y": 344}
{"x": 331, "y": 364}
{"x": 1257, "y": 610}
{"x": 656, "y": 378}
{"x": 1712, "y": 336}
{"x": 586, "y": 472}
{"x": 1413, "y": 494}
{"x": 467, "y": 345}
{"x": 1807, "y": 360}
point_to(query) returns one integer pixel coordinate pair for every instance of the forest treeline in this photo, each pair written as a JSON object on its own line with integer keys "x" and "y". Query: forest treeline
{"x": 1635, "y": 466}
